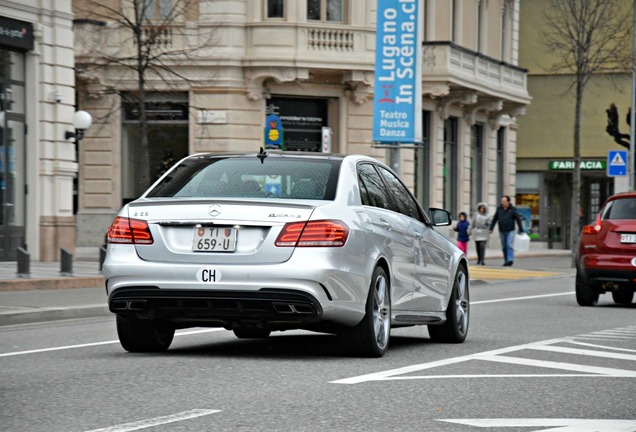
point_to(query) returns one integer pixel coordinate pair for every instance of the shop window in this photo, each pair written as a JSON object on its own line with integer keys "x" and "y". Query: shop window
{"x": 326, "y": 10}
{"x": 302, "y": 119}
{"x": 167, "y": 120}
{"x": 275, "y": 8}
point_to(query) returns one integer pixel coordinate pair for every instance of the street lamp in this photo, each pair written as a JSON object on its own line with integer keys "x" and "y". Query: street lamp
{"x": 81, "y": 121}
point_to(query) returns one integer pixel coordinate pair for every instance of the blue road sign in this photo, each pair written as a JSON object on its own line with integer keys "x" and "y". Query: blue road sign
{"x": 617, "y": 163}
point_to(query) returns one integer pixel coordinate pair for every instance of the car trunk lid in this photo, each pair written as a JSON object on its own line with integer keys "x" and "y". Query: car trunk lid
{"x": 243, "y": 231}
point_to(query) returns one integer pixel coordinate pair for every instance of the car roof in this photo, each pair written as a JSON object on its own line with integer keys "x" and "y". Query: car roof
{"x": 620, "y": 195}
{"x": 279, "y": 153}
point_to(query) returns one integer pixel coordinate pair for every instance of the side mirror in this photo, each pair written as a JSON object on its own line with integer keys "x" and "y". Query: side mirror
{"x": 440, "y": 217}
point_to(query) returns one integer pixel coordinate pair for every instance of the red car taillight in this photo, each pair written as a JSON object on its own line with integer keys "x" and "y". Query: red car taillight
{"x": 131, "y": 231}
{"x": 325, "y": 233}
{"x": 594, "y": 228}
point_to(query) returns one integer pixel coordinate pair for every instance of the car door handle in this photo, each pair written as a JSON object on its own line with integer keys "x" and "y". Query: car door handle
{"x": 384, "y": 224}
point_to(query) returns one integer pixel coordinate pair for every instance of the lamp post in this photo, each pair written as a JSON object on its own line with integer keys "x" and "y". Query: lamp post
{"x": 81, "y": 121}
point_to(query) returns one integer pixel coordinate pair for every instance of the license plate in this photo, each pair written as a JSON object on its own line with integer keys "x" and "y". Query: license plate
{"x": 214, "y": 239}
{"x": 628, "y": 238}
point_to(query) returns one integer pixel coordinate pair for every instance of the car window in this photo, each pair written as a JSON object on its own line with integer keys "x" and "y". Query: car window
{"x": 371, "y": 184}
{"x": 624, "y": 208}
{"x": 405, "y": 202}
{"x": 243, "y": 177}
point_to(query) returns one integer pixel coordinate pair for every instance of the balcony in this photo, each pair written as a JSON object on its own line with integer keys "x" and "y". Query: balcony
{"x": 447, "y": 67}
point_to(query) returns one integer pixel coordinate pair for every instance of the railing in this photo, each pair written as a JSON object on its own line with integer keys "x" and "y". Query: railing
{"x": 330, "y": 40}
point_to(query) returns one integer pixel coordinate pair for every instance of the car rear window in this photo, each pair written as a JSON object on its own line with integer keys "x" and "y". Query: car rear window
{"x": 248, "y": 177}
{"x": 624, "y": 208}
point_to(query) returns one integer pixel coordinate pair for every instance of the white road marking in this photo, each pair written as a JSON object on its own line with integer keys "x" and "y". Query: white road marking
{"x": 552, "y": 345}
{"x": 66, "y": 347}
{"x": 521, "y": 298}
{"x": 157, "y": 421}
{"x": 556, "y": 425}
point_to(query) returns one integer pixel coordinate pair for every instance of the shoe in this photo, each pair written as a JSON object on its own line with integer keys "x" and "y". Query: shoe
{"x": 483, "y": 263}
{"x": 507, "y": 263}
{"x": 510, "y": 263}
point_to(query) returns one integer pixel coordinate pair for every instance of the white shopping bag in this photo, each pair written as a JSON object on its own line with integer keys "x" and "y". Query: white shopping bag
{"x": 522, "y": 242}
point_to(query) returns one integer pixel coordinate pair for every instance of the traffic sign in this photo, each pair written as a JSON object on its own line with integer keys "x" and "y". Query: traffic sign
{"x": 617, "y": 163}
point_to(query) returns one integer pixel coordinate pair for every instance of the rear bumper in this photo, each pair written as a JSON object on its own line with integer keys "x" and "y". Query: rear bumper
{"x": 610, "y": 279}
{"x": 303, "y": 290}
{"x": 268, "y": 308}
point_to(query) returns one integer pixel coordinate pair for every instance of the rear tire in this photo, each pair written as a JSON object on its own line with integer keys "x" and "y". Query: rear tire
{"x": 251, "y": 333}
{"x": 455, "y": 329}
{"x": 370, "y": 338}
{"x": 137, "y": 335}
{"x": 623, "y": 297}
{"x": 586, "y": 295}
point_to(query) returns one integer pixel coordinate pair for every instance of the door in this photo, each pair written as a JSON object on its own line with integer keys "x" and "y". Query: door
{"x": 12, "y": 153}
{"x": 12, "y": 185}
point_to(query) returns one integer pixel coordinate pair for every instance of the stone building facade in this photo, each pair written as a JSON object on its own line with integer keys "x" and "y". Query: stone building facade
{"x": 231, "y": 63}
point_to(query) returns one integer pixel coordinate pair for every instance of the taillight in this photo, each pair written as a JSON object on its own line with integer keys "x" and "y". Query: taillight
{"x": 131, "y": 231}
{"x": 325, "y": 233}
{"x": 594, "y": 228}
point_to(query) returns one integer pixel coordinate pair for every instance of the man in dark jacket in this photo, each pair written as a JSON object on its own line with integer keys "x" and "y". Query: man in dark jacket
{"x": 506, "y": 215}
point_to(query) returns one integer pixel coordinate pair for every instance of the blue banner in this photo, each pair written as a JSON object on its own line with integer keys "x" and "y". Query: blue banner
{"x": 397, "y": 104}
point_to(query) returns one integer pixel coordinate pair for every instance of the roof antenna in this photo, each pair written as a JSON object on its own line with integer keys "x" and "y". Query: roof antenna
{"x": 262, "y": 154}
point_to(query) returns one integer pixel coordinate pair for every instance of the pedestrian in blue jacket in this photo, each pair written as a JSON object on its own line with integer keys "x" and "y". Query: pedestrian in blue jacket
{"x": 506, "y": 216}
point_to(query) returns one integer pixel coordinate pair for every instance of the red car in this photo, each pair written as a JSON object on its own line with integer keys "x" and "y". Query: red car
{"x": 606, "y": 258}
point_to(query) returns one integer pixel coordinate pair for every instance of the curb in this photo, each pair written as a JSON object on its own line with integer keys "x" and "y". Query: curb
{"x": 51, "y": 314}
{"x": 51, "y": 283}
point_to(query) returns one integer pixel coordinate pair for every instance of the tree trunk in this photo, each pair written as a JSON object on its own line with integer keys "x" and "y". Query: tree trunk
{"x": 576, "y": 174}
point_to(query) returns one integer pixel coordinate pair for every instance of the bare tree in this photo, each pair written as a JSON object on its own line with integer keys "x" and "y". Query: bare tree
{"x": 590, "y": 37}
{"x": 144, "y": 52}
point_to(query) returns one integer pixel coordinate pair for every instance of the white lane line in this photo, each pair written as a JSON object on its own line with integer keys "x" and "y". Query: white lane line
{"x": 66, "y": 347}
{"x": 157, "y": 421}
{"x": 584, "y": 352}
{"x": 560, "y": 365}
{"x": 560, "y": 425}
{"x": 552, "y": 345}
{"x": 521, "y": 298}
{"x": 605, "y": 347}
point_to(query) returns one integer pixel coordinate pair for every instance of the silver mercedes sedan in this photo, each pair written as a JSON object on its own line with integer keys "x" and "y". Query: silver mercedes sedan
{"x": 273, "y": 241}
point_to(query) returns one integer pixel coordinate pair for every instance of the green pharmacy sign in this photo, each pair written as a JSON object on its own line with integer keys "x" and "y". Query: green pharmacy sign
{"x": 587, "y": 165}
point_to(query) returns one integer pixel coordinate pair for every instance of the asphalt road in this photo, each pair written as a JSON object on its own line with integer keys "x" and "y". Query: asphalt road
{"x": 534, "y": 360}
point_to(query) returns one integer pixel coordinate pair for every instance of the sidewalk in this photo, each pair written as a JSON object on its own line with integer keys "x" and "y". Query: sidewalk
{"x": 47, "y": 295}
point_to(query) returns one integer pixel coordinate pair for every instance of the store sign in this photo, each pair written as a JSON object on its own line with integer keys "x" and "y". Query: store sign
{"x": 397, "y": 113}
{"x": 16, "y": 34}
{"x": 273, "y": 132}
{"x": 586, "y": 165}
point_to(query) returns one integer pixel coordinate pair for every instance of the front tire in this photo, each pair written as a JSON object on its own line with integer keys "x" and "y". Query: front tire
{"x": 623, "y": 297}
{"x": 370, "y": 338}
{"x": 455, "y": 329}
{"x": 586, "y": 295}
{"x": 137, "y": 335}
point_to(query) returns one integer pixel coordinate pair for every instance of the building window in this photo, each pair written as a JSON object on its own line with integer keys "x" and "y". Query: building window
{"x": 476, "y": 164}
{"x": 156, "y": 9}
{"x": 275, "y": 8}
{"x": 422, "y": 162}
{"x": 167, "y": 120}
{"x": 501, "y": 136}
{"x": 450, "y": 165}
{"x": 506, "y": 31}
{"x": 326, "y": 10}
{"x": 482, "y": 26}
